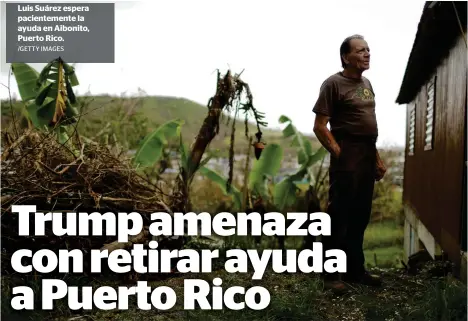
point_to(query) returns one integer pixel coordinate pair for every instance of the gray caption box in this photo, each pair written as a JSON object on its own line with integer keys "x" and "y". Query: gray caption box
{"x": 95, "y": 46}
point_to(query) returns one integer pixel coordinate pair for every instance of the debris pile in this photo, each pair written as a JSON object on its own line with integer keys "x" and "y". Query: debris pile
{"x": 38, "y": 170}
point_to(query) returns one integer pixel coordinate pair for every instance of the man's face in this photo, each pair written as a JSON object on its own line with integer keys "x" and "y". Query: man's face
{"x": 359, "y": 56}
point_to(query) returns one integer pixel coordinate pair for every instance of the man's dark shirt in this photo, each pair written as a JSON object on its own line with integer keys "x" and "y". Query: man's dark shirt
{"x": 350, "y": 105}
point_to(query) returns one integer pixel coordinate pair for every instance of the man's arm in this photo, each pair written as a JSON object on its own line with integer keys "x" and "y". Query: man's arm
{"x": 379, "y": 160}
{"x": 324, "y": 109}
{"x": 380, "y": 168}
{"x": 325, "y": 136}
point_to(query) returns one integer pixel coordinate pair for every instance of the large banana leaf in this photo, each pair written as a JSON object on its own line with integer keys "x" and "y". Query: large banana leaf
{"x": 62, "y": 135}
{"x": 284, "y": 193}
{"x": 267, "y": 166}
{"x": 41, "y": 116}
{"x": 306, "y": 156}
{"x": 221, "y": 182}
{"x": 317, "y": 156}
{"x": 304, "y": 146}
{"x": 306, "y": 168}
{"x": 60, "y": 90}
{"x": 151, "y": 149}
{"x": 26, "y": 79}
{"x": 51, "y": 90}
{"x": 70, "y": 75}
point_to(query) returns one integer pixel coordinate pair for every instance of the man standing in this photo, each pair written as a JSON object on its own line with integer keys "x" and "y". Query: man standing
{"x": 346, "y": 101}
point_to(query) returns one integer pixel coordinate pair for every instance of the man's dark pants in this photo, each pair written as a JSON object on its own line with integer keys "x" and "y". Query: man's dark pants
{"x": 352, "y": 178}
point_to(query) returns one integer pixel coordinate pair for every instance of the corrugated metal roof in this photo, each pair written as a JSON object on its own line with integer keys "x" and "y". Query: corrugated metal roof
{"x": 438, "y": 31}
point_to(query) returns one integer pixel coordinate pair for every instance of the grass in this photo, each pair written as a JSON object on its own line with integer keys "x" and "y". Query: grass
{"x": 300, "y": 297}
{"x": 383, "y": 245}
{"x": 387, "y": 257}
{"x": 382, "y": 235}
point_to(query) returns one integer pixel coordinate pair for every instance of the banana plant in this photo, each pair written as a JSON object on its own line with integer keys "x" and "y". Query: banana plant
{"x": 219, "y": 180}
{"x": 259, "y": 178}
{"x": 284, "y": 194}
{"x": 268, "y": 165}
{"x": 48, "y": 96}
{"x": 209, "y": 173}
{"x": 26, "y": 79}
{"x": 55, "y": 99}
{"x": 265, "y": 169}
{"x": 151, "y": 148}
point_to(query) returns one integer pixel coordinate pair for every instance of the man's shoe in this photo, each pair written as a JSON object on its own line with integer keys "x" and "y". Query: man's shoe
{"x": 336, "y": 286}
{"x": 365, "y": 278}
{"x": 334, "y": 283}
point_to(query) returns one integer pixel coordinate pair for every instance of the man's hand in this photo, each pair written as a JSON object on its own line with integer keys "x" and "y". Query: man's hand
{"x": 325, "y": 136}
{"x": 380, "y": 169}
{"x": 337, "y": 152}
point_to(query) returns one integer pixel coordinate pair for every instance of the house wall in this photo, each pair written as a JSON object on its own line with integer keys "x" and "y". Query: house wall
{"x": 433, "y": 178}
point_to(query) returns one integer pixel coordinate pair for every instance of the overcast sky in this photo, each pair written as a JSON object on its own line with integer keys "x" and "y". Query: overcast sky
{"x": 287, "y": 49}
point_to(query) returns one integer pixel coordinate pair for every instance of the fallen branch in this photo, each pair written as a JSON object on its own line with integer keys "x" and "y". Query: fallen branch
{"x": 15, "y": 144}
{"x": 229, "y": 92}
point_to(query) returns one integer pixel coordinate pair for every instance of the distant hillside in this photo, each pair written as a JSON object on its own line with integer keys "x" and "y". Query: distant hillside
{"x": 132, "y": 118}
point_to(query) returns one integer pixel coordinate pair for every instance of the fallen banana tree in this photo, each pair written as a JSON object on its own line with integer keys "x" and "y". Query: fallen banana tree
{"x": 228, "y": 98}
{"x": 48, "y": 97}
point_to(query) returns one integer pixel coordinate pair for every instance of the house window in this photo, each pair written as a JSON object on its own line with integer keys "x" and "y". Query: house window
{"x": 412, "y": 122}
{"x": 430, "y": 110}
